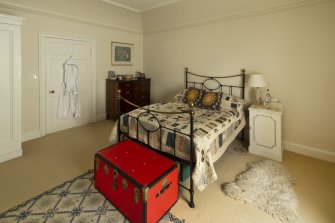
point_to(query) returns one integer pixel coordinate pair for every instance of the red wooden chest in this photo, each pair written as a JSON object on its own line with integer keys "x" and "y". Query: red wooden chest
{"x": 140, "y": 183}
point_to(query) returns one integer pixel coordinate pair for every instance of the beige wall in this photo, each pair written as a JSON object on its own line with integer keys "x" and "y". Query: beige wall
{"x": 39, "y": 21}
{"x": 293, "y": 47}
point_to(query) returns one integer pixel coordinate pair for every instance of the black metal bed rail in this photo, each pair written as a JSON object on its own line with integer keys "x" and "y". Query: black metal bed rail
{"x": 160, "y": 127}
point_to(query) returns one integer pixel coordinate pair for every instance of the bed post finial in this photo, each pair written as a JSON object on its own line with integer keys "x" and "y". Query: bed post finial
{"x": 243, "y": 71}
{"x": 186, "y": 76}
{"x": 191, "y": 105}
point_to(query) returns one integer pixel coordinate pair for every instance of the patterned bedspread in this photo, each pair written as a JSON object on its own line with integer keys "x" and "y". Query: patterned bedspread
{"x": 213, "y": 131}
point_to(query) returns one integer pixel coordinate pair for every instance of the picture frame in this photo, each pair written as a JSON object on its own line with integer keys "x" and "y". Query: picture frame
{"x": 122, "y": 53}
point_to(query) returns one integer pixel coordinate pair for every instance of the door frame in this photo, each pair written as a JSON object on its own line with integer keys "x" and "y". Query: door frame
{"x": 42, "y": 74}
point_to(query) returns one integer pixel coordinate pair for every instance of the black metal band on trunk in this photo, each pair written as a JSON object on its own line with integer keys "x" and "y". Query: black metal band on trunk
{"x": 124, "y": 174}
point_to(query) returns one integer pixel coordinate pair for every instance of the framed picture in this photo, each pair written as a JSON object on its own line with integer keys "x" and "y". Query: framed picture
{"x": 122, "y": 53}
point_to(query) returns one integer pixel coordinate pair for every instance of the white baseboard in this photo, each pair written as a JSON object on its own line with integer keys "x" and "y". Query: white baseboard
{"x": 101, "y": 117}
{"x": 10, "y": 155}
{"x": 310, "y": 151}
{"x": 37, "y": 134}
{"x": 30, "y": 136}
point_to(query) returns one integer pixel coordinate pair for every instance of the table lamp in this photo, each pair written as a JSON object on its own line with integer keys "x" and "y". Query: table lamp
{"x": 257, "y": 81}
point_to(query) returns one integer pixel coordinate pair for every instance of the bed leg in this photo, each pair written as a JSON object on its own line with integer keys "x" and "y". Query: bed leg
{"x": 191, "y": 203}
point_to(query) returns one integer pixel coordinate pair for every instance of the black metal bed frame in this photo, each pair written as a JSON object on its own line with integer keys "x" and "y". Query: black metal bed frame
{"x": 190, "y": 111}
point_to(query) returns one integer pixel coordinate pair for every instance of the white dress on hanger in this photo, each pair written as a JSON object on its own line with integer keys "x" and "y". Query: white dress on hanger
{"x": 69, "y": 101}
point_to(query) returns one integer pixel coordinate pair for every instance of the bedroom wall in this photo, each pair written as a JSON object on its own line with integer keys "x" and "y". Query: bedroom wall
{"x": 90, "y": 19}
{"x": 290, "y": 42}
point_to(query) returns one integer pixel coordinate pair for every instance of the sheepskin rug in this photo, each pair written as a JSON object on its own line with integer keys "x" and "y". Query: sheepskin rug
{"x": 266, "y": 185}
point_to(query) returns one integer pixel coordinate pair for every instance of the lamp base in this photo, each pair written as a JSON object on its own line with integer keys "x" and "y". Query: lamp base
{"x": 258, "y": 97}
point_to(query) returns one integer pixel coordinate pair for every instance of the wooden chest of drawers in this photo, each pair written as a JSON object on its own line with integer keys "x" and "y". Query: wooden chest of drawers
{"x": 136, "y": 91}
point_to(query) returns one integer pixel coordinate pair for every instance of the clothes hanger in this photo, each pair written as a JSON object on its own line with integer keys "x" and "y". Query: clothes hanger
{"x": 69, "y": 59}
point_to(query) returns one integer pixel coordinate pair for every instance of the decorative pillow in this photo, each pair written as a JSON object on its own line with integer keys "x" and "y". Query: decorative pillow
{"x": 192, "y": 95}
{"x": 210, "y": 100}
{"x": 231, "y": 102}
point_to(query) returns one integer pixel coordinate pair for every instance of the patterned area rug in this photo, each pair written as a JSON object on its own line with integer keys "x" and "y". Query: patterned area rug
{"x": 266, "y": 184}
{"x": 75, "y": 201}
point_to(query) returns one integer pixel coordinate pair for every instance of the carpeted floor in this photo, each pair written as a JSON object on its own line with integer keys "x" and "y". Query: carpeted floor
{"x": 74, "y": 201}
{"x": 59, "y": 157}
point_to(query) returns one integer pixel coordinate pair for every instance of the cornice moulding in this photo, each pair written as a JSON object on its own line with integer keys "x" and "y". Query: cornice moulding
{"x": 121, "y": 5}
{"x": 234, "y": 16}
{"x": 160, "y": 5}
{"x": 140, "y": 10}
{"x": 9, "y": 19}
{"x": 66, "y": 17}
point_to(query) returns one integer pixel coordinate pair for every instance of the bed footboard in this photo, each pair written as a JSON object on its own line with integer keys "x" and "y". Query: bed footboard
{"x": 190, "y": 111}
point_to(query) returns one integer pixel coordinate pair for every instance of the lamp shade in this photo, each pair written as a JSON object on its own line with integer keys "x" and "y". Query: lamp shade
{"x": 256, "y": 80}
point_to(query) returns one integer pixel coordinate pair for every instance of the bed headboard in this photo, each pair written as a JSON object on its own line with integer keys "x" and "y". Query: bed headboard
{"x": 216, "y": 83}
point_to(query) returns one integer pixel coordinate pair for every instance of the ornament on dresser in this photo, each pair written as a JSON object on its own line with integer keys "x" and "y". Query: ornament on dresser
{"x": 119, "y": 77}
{"x": 141, "y": 75}
{"x": 137, "y": 74}
{"x": 267, "y": 99}
{"x": 111, "y": 75}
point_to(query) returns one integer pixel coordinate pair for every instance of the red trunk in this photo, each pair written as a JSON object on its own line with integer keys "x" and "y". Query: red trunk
{"x": 142, "y": 184}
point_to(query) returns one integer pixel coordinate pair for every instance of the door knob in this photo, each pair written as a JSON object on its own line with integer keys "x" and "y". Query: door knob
{"x": 52, "y": 92}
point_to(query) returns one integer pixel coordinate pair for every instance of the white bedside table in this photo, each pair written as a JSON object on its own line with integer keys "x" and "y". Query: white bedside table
{"x": 265, "y": 131}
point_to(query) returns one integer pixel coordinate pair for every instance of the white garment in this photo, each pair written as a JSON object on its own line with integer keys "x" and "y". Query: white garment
{"x": 68, "y": 101}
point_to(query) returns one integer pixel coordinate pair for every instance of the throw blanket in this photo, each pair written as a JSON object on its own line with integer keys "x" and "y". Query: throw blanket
{"x": 213, "y": 132}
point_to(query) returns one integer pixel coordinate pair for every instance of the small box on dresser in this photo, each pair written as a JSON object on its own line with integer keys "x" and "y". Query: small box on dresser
{"x": 265, "y": 127}
{"x": 140, "y": 183}
{"x": 136, "y": 91}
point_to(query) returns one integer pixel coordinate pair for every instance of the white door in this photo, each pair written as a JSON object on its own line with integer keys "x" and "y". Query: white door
{"x": 57, "y": 52}
{"x": 10, "y": 87}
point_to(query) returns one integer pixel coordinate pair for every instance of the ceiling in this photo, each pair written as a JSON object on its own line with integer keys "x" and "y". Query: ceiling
{"x": 140, "y": 5}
